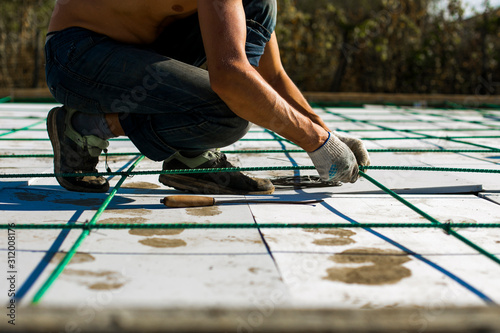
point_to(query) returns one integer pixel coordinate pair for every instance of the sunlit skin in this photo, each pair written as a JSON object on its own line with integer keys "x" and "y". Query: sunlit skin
{"x": 264, "y": 95}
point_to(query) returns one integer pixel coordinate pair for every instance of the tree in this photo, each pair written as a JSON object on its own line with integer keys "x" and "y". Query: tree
{"x": 23, "y": 24}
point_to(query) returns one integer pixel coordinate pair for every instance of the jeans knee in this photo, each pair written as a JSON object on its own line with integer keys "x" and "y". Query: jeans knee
{"x": 238, "y": 129}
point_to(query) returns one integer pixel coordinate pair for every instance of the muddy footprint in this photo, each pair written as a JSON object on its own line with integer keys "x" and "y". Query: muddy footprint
{"x": 157, "y": 241}
{"x": 94, "y": 280}
{"x": 376, "y": 267}
{"x": 342, "y": 237}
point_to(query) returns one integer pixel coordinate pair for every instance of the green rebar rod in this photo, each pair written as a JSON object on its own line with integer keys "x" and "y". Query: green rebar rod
{"x": 121, "y": 226}
{"x": 52, "y": 155}
{"x": 430, "y": 218}
{"x": 67, "y": 258}
{"x": 23, "y": 128}
{"x": 457, "y": 141}
{"x": 235, "y": 169}
{"x": 429, "y": 130}
{"x": 412, "y": 112}
{"x": 409, "y": 150}
{"x": 28, "y": 129}
{"x": 18, "y": 118}
{"x": 432, "y": 169}
{"x": 379, "y": 120}
{"x": 433, "y": 137}
{"x": 423, "y": 136}
{"x": 426, "y": 136}
{"x": 47, "y": 139}
{"x": 59, "y": 268}
{"x": 477, "y": 122}
{"x": 285, "y": 151}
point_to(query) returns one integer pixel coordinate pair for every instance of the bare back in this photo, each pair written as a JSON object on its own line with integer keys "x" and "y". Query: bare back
{"x": 130, "y": 21}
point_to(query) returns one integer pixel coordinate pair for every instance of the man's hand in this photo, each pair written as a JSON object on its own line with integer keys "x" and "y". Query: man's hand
{"x": 335, "y": 161}
{"x": 356, "y": 146}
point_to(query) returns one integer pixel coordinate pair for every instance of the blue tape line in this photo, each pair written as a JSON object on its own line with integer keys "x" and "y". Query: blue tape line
{"x": 416, "y": 255}
{"x": 54, "y": 248}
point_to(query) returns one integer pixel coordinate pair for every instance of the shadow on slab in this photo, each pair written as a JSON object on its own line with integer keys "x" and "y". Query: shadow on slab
{"x": 46, "y": 199}
{"x": 38, "y": 199}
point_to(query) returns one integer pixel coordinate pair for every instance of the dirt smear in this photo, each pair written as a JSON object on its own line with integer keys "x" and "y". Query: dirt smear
{"x": 379, "y": 267}
{"x": 105, "y": 286}
{"x": 204, "y": 211}
{"x": 78, "y": 258}
{"x": 343, "y": 237}
{"x": 100, "y": 280}
{"x": 130, "y": 212}
{"x": 155, "y": 232}
{"x": 123, "y": 220}
{"x": 163, "y": 243}
{"x": 335, "y": 232}
{"x": 334, "y": 241}
{"x": 81, "y": 272}
{"x": 253, "y": 270}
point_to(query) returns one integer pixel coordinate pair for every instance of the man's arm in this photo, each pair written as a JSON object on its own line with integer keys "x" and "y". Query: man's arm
{"x": 238, "y": 83}
{"x": 271, "y": 69}
{"x": 249, "y": 95}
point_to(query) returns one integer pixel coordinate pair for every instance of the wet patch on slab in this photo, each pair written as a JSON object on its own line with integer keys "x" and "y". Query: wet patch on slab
{"x": 374, "y": 267}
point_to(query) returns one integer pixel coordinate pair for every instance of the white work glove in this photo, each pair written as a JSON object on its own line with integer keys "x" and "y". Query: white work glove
{"x": 335, "y": 162}
{"x": 356, "y": 146}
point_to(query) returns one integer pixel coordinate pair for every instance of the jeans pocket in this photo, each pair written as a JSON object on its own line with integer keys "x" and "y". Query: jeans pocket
{"x": 76, "y": 49}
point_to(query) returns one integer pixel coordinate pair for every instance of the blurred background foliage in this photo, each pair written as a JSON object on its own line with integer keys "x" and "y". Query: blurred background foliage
{"x": 390, "y": 46}
{"x": 377, "y": 46}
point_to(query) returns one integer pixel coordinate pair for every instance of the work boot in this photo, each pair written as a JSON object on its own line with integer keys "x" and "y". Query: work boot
{"x": 214, "y": 182}
{"x": 74, "y": 153}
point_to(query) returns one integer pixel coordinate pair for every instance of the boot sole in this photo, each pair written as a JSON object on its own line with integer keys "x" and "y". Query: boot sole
{"x": 56, "y": 147}
{"x": 184, "y": 183}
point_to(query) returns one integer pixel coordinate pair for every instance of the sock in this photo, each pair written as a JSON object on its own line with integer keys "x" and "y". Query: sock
{"x": 92, "y": 124}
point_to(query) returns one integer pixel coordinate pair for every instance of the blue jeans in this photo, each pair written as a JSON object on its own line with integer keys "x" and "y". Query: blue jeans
{"x": 164, "y": 100}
